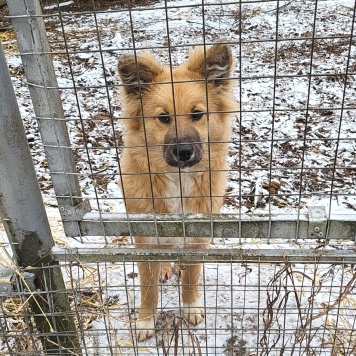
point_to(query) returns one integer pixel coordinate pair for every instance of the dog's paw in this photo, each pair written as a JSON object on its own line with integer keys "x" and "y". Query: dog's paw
{"x": 145, "y": 329}
{"x": 166, "y": 272}
{"x": 194, "y": 312}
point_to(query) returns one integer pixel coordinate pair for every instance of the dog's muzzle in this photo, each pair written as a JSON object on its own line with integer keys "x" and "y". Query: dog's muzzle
{"x": 184, "y": 153}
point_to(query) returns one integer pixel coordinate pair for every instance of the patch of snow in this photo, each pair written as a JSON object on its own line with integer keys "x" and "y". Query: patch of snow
{"x": 60, "y": 4}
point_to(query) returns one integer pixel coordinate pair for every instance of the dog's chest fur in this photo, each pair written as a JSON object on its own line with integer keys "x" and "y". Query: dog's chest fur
{"x": 178, "y": 186}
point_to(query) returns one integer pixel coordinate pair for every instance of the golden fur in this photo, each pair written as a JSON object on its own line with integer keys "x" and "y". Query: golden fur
{"x": 176, "y": 143}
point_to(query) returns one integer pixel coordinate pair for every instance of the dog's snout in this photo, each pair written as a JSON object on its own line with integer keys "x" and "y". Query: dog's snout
{"x": 183, "y": 152}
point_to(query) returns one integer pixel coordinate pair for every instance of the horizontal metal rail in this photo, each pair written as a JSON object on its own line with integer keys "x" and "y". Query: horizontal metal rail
{"x": 186, "y": 256}
{"x": 262, "y": 226}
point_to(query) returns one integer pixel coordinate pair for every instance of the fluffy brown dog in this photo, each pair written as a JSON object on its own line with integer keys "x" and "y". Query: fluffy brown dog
{"x": 176, "y": 132}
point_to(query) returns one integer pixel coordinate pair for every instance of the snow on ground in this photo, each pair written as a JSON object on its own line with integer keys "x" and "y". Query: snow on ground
{"x": 297, "y": 127}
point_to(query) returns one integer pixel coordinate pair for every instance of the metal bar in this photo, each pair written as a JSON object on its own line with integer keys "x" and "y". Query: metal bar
{"x": 34, "y": 48}
{"x": 94, "y": 255}
{"x": 341, "y": 226}
{"x": 25, "y": 220}
{"x": 317, "y": 221}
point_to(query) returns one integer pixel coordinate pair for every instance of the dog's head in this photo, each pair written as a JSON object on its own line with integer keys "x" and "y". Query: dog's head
{"x": 177, "y": 112}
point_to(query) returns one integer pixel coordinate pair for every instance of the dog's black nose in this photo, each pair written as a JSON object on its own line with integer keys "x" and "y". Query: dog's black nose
{"x": 183, "y": 152}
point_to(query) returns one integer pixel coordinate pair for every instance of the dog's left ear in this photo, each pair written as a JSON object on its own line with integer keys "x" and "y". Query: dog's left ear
{"x": 215, "y": 64}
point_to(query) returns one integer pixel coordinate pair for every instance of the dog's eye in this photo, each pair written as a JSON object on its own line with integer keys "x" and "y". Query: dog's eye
{"x": 164, "y": 118}
{"x": 197, "y": 115}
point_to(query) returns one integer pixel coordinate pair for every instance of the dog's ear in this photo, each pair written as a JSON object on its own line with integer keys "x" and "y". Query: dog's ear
{"x": 215, "y": 64}
{"x": 137, "y": 72}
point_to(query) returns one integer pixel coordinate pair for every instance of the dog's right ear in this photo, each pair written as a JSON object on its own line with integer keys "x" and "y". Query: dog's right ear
{"x": 215, "y": 64}
{"x": 138, "y": 72}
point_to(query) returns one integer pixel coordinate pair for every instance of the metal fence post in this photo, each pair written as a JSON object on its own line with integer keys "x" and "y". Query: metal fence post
{"x": 27, "y": 227}
{"x": 27, "y": 20}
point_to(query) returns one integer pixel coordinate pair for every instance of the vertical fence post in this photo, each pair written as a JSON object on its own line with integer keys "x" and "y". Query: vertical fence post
{"x": 28, "y": 23}
{"x": 27, "y": 227}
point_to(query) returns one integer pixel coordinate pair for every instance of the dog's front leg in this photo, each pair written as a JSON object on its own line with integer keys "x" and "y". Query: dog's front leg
{"x": 149, "y": 278}
{"x": 193, "y": 307}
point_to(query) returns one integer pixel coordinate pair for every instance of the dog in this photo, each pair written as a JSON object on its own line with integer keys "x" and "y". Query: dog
{"x": 177, "y": 125}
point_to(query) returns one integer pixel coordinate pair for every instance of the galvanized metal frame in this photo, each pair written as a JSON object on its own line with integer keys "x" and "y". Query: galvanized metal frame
{"x": 311, "y": 225}
{"x": 25, "y": 220}
{"x": 41, "y": 79}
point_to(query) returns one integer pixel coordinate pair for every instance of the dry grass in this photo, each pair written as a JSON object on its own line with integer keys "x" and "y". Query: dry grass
{"x": 320, "y": 308}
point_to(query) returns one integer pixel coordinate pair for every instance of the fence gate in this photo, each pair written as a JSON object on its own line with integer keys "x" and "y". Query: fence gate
{"x": 279, "y": 276}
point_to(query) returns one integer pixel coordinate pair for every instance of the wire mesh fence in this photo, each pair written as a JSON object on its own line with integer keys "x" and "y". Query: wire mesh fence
{"x": 279, "y": 277}
{"x": 251, "y": 309}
